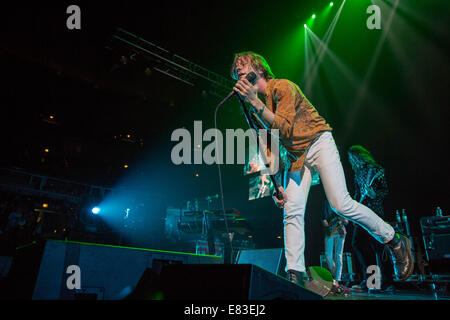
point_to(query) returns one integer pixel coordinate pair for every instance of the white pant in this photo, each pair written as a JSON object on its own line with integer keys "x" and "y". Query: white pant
{"x": 323, "y": 157}
{"x": 334, "y": 248}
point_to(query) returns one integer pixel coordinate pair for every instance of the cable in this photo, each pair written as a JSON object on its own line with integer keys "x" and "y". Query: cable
{"x": 220, "y": 183}
{"x": 251, "y": 126}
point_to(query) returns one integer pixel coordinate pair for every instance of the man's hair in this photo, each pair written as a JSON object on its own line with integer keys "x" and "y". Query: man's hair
{"x": 363, "y": 154}
{"x": 257, "y": 61}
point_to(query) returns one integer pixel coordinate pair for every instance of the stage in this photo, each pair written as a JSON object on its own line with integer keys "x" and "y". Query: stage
{"x": 398, "y": 295}
{"x": 70, "y": 270}
{"x": 245, "y": 151}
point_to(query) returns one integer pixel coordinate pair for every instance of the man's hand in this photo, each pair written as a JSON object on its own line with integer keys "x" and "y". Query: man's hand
{"x": 248, "y": 91}
{"x": 371, "y": 193}
{"x": 280, "y": 203}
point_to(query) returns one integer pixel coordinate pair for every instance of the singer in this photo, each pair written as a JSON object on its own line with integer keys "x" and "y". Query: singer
{"x": 280, "y": 104}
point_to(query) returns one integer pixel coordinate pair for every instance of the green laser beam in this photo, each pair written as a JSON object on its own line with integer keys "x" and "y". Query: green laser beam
{"x": 134, "y": 248}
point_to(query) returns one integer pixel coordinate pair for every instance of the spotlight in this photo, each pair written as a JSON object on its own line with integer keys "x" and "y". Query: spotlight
{"x": 313, "y": 16}
{"x": 95, "y": 210}
{"x": 45, "y": 205}
{"x": 304, "y": 25}
{"x": 125, "y": 166}
{"x": 331, "y": 4}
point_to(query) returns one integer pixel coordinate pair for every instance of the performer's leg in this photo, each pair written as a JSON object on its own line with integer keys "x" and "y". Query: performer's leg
{"x": 339, "y": 250}
{"x": 296, "y": 189}
{"x": 324, "y": 157}
{"x": 329, "y": 246}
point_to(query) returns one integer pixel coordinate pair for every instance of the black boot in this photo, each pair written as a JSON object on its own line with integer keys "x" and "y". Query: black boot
{"x": 296, "y": 277}
{"x": 402, "y": 259}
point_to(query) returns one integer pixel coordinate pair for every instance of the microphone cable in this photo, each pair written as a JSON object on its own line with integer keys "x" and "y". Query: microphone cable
{"x": 220, "y": 182}
{"x": 251, "y": 77}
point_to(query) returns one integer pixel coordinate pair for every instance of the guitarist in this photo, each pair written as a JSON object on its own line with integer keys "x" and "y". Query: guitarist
{"x": 281, "y": 105}
{"x": 334, "y": 229}
{"x": 370, "y": 190}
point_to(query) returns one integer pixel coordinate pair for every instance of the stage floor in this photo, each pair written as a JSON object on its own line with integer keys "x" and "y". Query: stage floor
{"x": 398, "y": 295}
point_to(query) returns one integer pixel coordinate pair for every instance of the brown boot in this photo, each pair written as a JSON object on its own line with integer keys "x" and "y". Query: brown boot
{"x": 401, "y": 253}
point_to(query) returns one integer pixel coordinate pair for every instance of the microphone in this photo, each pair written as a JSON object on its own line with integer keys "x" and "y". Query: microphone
{"x": 251, "y": 77}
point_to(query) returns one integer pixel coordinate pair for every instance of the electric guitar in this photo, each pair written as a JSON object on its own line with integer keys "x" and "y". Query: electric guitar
{"x": 334, "y": 224}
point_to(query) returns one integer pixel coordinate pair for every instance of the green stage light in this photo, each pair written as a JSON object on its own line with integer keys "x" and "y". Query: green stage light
{"x": 331, "y": 4}
{"x": 313, "y": 16}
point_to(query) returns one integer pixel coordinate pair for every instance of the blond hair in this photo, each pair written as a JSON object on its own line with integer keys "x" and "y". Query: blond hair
{"x": 257, "y": 61}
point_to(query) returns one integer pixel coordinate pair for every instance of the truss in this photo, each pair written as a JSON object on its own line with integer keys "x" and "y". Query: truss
{"x": 172, "y": 64}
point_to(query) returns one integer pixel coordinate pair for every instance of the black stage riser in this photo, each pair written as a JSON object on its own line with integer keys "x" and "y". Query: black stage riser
{"x": 229, "y": 282}
{"x": 269, "y": 259}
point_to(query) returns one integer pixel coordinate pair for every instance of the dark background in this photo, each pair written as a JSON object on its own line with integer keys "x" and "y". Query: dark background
{"x": 50, "y": 70}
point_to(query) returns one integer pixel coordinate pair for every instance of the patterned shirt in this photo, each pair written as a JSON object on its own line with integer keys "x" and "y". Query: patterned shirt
{"x": 362, "y": 178}
{"x": 297, "y": 120}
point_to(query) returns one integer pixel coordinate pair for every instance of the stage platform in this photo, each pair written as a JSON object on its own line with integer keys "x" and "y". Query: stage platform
{"x": 109, "y": 272}
{"x": 398, "y": 295}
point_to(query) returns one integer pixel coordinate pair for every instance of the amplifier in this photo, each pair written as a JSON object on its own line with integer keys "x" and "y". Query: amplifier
{"x": 201, "y": 247}
{"x": 435, "y": 224}
{"x": 436, "y": 237}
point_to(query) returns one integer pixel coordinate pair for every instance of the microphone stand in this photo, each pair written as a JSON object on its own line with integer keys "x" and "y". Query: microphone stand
{"x": 228, "y": 247}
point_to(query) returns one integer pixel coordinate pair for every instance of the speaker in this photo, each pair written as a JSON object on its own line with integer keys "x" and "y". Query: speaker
{"x": 228, "y": 282}
{"x": 105, "y": 272}
{"x": 437, "y": 246}
{"x": 271, "y": 260}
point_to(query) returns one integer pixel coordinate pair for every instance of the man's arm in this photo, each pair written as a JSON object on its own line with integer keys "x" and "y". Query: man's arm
{"x": 283, "y": 118}
{"x": 266, "y": 115}
{"x": 285, "y": 93}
